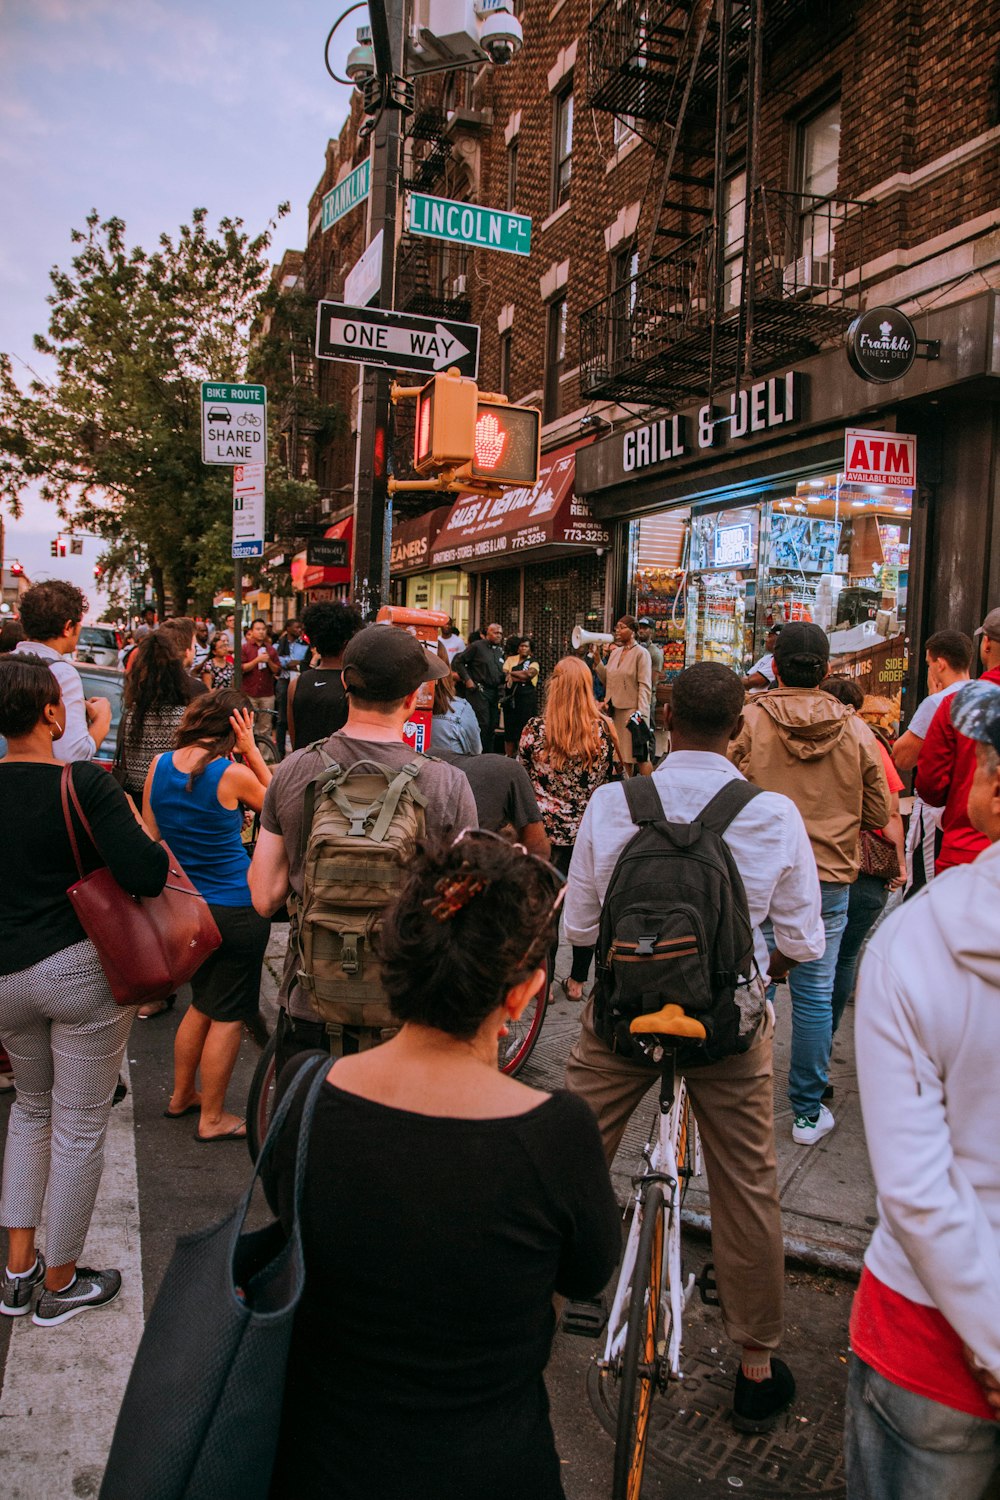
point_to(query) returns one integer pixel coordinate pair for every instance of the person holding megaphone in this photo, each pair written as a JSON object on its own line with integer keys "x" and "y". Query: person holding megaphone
{"x": 627, "y": 675}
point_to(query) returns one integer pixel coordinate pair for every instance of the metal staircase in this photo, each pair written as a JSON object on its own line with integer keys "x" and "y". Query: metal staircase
{"x": 731, "y": 283}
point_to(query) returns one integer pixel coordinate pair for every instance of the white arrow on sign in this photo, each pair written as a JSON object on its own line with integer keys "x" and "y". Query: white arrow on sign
{"x": 439, "y": 348}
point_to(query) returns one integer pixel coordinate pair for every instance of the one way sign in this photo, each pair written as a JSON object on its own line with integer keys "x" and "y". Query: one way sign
{"x": 396, "y": 341}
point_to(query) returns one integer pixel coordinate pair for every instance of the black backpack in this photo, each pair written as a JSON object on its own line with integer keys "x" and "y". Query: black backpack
{"x": 675, "y": 927}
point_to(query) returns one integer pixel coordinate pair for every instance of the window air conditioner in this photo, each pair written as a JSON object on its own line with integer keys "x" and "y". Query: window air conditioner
{"x": 807, "y": 275}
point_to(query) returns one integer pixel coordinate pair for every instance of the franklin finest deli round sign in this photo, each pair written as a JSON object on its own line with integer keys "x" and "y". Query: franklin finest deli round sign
{"x": 881, "y": 344}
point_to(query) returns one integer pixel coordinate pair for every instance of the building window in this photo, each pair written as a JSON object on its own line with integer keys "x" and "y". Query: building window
{"x": 624, "y": 268}
{"x": 555, "y": 358}
{"x": 506, "y": 349}
{"x": 624, "y": 131}
{"x": 734, "y": 219}
{"x": 817, "y": 170}
{"x": 562, "y": 143}
{"x": 512, "y": 174}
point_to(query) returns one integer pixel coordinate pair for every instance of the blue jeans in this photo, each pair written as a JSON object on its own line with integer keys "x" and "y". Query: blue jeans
{"x": 866, "y": 903}
{"x": 811, "y": 989}
{"x": 901, "y": 1446}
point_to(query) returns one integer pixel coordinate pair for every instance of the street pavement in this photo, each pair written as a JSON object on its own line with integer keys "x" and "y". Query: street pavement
{"x": 61, "y": 1387}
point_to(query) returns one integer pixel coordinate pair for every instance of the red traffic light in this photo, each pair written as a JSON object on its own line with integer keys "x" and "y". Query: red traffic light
{"x": 507, "y": 443}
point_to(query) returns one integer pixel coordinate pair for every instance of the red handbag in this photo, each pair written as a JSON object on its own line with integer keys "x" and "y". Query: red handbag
{"x": 147, "y": 945}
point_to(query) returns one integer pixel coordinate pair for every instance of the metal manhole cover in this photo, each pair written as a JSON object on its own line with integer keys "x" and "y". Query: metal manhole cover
{"x": 691, "y": 1435}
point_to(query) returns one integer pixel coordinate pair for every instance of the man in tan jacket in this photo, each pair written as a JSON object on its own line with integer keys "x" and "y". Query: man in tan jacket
{"x": 627, "y": 676}
{"x": 800, "y": 741}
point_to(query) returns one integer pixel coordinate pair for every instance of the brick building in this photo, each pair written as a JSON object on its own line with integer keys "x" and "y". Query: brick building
{"x": 716, "y": 192}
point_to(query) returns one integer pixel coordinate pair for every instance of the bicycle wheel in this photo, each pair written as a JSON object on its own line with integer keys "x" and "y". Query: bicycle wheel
{"x": 643, "y": 1345}
{"x": 514, "y": 1049}
{"x": 268, "y": 749}
{"x": 260, "y": 1099}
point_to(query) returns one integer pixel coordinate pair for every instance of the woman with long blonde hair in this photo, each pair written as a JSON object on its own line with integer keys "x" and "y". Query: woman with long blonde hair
{"x": 569, "y": 751}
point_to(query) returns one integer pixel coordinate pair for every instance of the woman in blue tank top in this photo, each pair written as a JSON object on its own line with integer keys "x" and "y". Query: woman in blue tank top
{"x": 194, "y": 800}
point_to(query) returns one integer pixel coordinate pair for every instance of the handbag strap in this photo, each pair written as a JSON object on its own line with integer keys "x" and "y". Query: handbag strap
{"x": 317, "y": 1068}
{"x": 67, "y": 791}
{"x": 119, "y": 756}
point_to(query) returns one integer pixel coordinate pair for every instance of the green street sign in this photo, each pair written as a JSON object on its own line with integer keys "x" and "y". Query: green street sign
{"x": 469, "y": 224}
{"x": 347, "y": 194}
{"x": 233, "y": 423}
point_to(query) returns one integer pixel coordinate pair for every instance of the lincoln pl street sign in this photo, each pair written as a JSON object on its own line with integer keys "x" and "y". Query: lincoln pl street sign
{"x": 347, "y": 194}
{"x": 233, "y": 423}
{"x": 469, "y": 224}
{"x": 395, "y": 341}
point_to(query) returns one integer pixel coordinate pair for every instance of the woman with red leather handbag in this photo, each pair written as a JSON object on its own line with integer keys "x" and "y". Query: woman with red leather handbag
{"x": 58, "y": 1019}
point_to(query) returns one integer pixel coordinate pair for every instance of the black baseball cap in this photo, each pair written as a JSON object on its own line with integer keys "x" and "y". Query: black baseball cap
{"x": 644, "y": 621}
{"x": 801, "y": 638}
{"x": 384, "y": 662}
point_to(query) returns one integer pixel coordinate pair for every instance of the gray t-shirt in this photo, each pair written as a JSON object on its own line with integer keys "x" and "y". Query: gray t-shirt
{"x": 923, "y": 715}
{"x": 502, "y": 789}
{"x": 450, "y": 805}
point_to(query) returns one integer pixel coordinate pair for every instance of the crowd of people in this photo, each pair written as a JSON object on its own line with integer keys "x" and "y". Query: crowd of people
{"x": 495, "y": 1184}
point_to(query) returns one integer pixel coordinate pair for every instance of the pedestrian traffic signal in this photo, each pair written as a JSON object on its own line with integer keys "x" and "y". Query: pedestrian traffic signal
{"x": 446, "y": 420}
{"x": 472, "y": 439}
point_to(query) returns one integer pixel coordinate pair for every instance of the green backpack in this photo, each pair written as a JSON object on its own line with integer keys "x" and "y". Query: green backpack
{"x": 359, "y": 825}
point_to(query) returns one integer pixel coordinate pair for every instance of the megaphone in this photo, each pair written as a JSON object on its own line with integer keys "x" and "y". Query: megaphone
{"x": 581, "y": 637}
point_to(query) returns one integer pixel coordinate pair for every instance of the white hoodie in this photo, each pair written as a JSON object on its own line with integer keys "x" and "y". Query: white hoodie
{"x": 927, "y": 1033}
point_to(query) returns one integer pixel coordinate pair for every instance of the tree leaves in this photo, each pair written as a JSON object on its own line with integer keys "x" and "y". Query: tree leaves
{"x": 114, "y": 437}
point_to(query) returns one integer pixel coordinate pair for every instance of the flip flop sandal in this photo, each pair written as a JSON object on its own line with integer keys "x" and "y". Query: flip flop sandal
{"x": 238, "y": 1133}
{"x": 178, "y": 1114}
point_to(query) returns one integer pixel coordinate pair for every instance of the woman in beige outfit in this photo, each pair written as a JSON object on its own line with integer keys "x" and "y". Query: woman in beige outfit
{"x": 627, "y": 676}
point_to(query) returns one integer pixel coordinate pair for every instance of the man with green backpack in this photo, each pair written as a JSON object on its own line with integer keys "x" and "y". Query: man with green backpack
{"x": 337, "y": 819}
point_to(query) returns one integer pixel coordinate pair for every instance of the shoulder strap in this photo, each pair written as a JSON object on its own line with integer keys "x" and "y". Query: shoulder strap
{"x": 643, "y": 800}
{"x": 119, "y": 759}
{"x": 727, "y": 803}
{"x": 67, "y": 792}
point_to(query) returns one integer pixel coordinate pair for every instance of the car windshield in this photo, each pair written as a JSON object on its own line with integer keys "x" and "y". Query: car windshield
{"x": 107, "y": 684}
{"x": 98, "y": 635}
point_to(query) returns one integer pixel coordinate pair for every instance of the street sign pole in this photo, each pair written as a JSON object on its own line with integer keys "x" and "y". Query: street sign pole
{"x": 237, "y": 623}
{"x": 372, "y": 506}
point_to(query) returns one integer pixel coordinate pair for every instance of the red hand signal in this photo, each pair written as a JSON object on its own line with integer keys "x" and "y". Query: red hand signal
{"x": 490, "y": 441}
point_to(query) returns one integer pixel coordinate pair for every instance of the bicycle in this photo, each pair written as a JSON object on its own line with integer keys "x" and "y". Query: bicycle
{"x": 642, "y": 1345}
{"x": 513, "y": 1051}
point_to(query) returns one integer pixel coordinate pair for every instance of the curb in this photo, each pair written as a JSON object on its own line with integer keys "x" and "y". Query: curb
{"x": 812, "y": 1255}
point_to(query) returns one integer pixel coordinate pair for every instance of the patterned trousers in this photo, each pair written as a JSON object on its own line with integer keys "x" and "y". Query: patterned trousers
{"x": 65, "y": 1036}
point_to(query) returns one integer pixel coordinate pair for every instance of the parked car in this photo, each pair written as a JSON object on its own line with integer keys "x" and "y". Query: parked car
{"x": 98, "y": 644}
{"x": 104, "y": 682}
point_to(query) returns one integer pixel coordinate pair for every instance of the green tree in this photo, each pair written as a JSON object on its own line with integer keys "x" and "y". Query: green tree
{"x": 113, "y": 439}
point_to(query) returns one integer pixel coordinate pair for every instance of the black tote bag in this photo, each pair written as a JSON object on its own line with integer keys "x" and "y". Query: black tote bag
{"x": 202, "y": 1409}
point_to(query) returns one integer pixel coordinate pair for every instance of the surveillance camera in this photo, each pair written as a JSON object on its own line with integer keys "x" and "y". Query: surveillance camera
{"x": 501, "y": 37}
{"x": 360, "y": 63}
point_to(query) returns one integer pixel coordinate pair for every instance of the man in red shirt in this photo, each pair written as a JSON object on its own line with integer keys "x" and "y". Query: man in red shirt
{"x": 261, "y": 666}
{"x": 947, "y": 763}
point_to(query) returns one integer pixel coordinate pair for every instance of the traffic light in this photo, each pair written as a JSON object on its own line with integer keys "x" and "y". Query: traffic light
{"x": 507, "y": 446}
{"x": 446, "y": 419}
{"x": 54, "y": 548}
{"x": 98, "y": 572}
{"x": 17, "y": 569}
{"x": 480, "y": 436}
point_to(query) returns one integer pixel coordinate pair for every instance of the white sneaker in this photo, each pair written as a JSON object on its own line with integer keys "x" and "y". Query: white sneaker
{"x": 806, "y": 1132}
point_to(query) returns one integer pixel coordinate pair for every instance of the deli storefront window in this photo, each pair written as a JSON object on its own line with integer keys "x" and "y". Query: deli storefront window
{"x": 714, "y": 578}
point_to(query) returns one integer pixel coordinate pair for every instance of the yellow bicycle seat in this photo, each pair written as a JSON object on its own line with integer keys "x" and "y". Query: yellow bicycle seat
{"x": 670, "y": 1021}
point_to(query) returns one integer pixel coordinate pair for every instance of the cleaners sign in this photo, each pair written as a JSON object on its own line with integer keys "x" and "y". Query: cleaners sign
{"x": 880, "y": 457}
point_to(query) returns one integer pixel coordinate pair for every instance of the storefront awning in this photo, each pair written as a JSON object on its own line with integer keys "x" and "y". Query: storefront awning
{"x": 520, "y": 521}
{"x": 327, "y": 560}
{"x": 412, "y": 540}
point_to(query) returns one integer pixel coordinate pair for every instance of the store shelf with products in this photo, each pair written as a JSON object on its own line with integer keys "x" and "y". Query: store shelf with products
{"x": 660, "y": 597}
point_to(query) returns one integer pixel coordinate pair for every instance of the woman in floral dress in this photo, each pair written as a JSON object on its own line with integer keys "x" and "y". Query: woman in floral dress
{"x": 568, "y": 752}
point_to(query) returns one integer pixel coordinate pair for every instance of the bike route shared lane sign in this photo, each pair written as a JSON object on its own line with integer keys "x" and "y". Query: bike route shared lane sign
{"x": 395, "y": 341}
{"x": 233, "y": 423}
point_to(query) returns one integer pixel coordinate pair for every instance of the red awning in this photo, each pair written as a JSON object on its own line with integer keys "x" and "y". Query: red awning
{"x": 307, "y": 575}
{"x": 411, "y": 541}
{"x": 548, "y": 514}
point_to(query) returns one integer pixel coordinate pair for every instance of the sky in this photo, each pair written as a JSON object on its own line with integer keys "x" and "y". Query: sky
{"x": 147, "y": 109}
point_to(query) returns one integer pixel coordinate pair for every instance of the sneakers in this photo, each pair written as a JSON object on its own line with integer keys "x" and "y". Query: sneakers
{"x": 88, "y": 1289}
{"x": 16, "y": 1292}
{"x": 806, "y": 1132}
{"x": 757, "y": 1404}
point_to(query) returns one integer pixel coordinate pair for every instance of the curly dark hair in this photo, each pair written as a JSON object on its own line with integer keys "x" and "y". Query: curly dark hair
{"x": 11, "y": 632}
{"x": 845, "y": 690}
{"x": 707, "y": 699}
{"x": 156, "y": 679}
{"x": 328, "y": 626}
{"x": 26, "y": 686}
{"x": 46, "y": 607}
{"x": 206, "y": 723}
{"x": 451, "y": 974}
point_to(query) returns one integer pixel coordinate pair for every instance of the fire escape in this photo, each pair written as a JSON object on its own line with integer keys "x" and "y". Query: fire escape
{"x": 418, "y": 288}
{"x": 736, "y": 275}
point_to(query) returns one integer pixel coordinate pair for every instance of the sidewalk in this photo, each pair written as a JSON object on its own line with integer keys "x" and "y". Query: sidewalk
{"x": 827, "y": 1192}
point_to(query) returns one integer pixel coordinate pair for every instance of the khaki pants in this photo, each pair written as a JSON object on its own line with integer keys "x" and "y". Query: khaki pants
{"x": 733, "y": 1103}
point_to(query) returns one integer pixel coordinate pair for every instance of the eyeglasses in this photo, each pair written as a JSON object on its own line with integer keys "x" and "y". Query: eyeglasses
{"x": 555, "y": 877}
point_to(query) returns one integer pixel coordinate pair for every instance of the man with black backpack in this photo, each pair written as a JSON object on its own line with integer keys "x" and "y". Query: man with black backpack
{"x": 362, "y": 786}
{"x": 649, "y": 871}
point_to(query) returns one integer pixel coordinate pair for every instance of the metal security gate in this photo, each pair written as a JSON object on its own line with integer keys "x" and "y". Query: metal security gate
{"x": 557, "y": 596}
